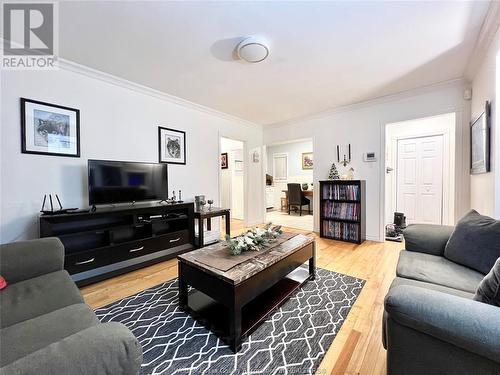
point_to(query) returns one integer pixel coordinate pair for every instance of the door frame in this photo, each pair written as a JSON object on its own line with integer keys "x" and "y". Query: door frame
{"x": 245, "y": 174}
{"x": 445, "y": 188}
{"x": 452, "y": 139}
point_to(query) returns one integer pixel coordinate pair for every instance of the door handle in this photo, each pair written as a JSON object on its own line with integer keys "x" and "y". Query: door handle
{"x": 388, "y": 170}
{"x": 134, "y": 250}
{"x": 84, "y": 262}
{"x": 177, "y": 239}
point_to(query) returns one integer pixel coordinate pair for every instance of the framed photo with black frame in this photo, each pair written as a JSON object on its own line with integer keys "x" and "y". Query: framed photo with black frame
{"x": 171, "y": 146}
{"x": 49, "y": 129}
{"x": 224, "y": 161}
{"x": 480, "y": 142}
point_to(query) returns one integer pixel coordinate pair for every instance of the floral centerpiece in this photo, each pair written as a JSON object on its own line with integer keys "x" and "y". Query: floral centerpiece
{"x": 254, "y": 240}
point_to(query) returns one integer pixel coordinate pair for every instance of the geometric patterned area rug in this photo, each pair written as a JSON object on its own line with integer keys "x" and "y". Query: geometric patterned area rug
{"x": 293, "y": 340}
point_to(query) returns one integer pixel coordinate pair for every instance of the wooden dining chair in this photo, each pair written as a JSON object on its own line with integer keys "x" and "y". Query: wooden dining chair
{"x": 296, "y": 198}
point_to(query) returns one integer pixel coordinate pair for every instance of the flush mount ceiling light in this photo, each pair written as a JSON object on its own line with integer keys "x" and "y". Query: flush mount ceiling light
{"x": 253, "y": 49}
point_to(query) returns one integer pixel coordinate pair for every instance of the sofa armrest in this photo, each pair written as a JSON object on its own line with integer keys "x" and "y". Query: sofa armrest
{"x": 470, "y": 325}
{"x": 28, "y": 259}
{"x": 104, "y": 349}
{"x": 427, "y": 238}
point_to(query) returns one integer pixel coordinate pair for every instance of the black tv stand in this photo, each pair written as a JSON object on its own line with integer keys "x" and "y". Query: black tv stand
{"x": 108, "y": 241}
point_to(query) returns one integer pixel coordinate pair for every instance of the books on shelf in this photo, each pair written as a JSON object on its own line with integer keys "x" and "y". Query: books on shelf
{"x": 341, "y": 231}
{"x": 341, "y": 192}
{"x": 342, "y": 211}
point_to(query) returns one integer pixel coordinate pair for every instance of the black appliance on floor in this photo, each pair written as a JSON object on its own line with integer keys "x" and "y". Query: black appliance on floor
{"x": 394, "y": 232}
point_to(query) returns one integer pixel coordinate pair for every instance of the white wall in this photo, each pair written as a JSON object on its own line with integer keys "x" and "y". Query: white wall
{"x": 294, "y": 151}
{"x": 362, "y": 125}
{"x": 483, "y": 195}
{"x": 118, "y": 122}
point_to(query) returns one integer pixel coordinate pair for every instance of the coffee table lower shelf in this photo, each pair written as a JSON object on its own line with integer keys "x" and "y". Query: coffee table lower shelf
{"x": 216, "y": 317}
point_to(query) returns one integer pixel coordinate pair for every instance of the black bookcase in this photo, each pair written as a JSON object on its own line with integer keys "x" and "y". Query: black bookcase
{"x": 343, "y": 210}
{"x": 114, "y": 240}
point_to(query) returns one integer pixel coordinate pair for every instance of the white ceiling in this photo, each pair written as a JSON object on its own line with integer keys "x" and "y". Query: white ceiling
{"x": 323, "y": 54}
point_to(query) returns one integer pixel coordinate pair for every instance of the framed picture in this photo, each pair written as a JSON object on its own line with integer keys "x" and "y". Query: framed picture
{"x": 480, "y": 142}
{"x": 307, "y": 160}
{"x": 224, "y": 161}
{"x": 238, "y": 165}
{"x": 171, "y": 146}
{"x": 49, "y": 129}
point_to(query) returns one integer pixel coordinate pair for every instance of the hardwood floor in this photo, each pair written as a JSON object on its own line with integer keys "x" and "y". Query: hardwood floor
{"x": 357, "y": 349}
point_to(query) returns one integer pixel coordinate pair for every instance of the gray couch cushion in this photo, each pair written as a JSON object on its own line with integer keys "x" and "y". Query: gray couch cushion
{"x": 475, "y": 242}
{"x": 24, "y": 260}
{"x": 104, "y": 349}
{"x": 31, "y": 298}
{"x": 398, "y": 281}
{"x": 437, "y": 270}
{"x": 427, "y": 238}
{"x": 489, "y": 289}
{"x": 463, "y": 323}
{"x": 439, "y": 288}
{"x": 33, "y": 334}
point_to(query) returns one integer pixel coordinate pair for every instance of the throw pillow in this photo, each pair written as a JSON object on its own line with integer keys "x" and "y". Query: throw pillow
{"x": 3, "y": 283}
{"x": 475, "y": 242}
{"x": 489, "y": 288}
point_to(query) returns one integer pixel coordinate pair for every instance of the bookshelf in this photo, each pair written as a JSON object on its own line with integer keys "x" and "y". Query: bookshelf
{"x": 343, "y": 210}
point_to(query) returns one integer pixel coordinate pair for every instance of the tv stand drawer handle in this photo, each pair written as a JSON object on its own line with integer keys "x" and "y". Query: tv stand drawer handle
{"x": 134, "y": 250}
{"x": 175, "y": 240}
{"x": 84, "y": 262}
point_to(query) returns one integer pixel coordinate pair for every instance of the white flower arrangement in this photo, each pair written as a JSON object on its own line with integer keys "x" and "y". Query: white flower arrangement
{"x": 253, "y": 240}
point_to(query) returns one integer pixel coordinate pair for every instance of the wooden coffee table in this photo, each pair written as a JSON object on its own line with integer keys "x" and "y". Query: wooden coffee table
{"x": 233, "y": 303}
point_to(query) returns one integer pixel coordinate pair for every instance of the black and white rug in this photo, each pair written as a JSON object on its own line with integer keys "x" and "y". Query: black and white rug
{"x": 293, "y": 340}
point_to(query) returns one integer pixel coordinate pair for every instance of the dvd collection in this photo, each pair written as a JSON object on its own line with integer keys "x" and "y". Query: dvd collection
{"x": 341, "y": 231}
{"x": 343, "y": 211}
{"x": 341, "y": 192}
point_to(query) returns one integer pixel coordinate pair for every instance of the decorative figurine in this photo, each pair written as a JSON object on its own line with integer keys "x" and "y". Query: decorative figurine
{"x": 350, "y": 174}
{"x": 210, "y": 202}
{"x": 173, "y": 196}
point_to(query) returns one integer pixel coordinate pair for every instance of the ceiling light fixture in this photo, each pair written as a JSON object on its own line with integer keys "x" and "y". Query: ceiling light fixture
{"x": 253, "y": 49}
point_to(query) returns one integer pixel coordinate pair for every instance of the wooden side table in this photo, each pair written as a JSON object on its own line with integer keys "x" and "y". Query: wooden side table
{"x": 207, "y": 214}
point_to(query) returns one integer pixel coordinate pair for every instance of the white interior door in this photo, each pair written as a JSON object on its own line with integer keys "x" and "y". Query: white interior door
{"x": 419, "y": 188}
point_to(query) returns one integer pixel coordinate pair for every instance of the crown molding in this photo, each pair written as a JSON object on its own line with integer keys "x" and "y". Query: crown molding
{"x": 461, "y": 82}
{"x": 145, "y": 90}
{"x": 487, "y": 34}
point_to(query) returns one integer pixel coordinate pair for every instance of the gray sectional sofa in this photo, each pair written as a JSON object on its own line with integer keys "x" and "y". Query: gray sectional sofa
{"x": 45, "y": 326}
{"x": 431, "y": 323}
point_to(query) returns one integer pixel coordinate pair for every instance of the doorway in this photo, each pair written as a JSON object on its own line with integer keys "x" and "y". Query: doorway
{"x": 232, "y": 179}
{"x": 420, "y": 170}
{"x": 287, "y": 163}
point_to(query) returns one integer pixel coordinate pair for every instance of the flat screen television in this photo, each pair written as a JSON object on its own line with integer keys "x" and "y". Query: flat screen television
{"x": 123, "y": 181}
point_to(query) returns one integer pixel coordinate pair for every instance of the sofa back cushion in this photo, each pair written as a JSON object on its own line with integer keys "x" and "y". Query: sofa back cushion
{"x": 489, "y": 289}
{"x": 475, "y": 242}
